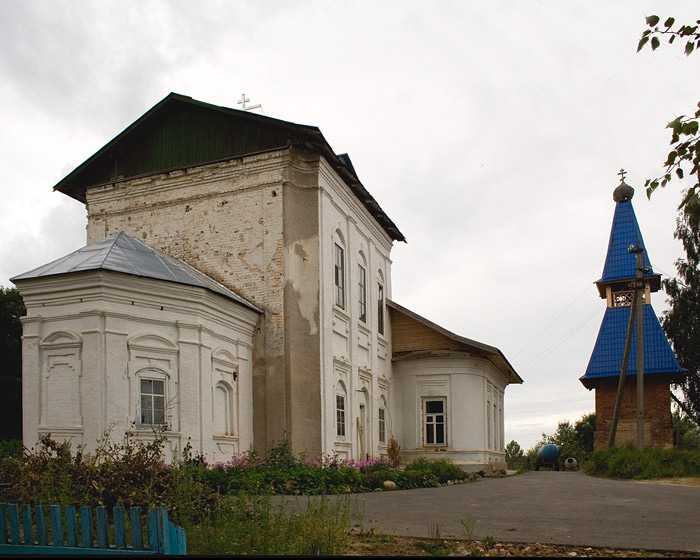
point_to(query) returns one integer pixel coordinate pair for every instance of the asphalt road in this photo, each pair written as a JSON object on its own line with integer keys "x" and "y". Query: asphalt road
{"x": 566, "y": 508}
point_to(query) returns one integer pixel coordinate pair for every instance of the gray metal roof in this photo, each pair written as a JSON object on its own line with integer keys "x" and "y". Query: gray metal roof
{"x": 122, "y": 253}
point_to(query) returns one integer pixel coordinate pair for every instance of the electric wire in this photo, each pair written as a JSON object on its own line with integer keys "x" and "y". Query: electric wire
{"x": 561, "y": 340}
{"x": 553, "y": 321}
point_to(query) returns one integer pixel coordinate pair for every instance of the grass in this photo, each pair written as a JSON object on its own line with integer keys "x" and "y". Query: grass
{"x": 628, "y": 462}
{"x": 226, "y": 508}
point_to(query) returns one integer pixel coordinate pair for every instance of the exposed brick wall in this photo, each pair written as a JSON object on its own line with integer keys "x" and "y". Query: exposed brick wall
{"x": 657, "y": 412}
{"x": 227, "y": 219}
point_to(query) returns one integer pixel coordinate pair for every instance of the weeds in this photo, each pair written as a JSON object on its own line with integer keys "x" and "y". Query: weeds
{"x": 628, "y": 462}
{"x": 226, "y": 508}
{"x": 468, "y": 523}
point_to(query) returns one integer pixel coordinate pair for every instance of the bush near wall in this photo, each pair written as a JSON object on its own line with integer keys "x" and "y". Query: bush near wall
{"x": 224, "y": 508}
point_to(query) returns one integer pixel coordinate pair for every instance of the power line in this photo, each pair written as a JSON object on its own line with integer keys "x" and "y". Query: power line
{"x": 553, "y": 321}
{"x": 561, "y": 341}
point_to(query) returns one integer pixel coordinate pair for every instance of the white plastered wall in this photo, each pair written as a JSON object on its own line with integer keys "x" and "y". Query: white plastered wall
{"x": 88, "y": 337}
{"x": 463, "y": 382}
{"x": 353, "y": 353}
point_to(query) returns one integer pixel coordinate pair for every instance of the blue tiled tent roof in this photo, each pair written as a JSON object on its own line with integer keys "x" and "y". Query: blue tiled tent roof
{"x": 606, "y": 359}
{"x": 620, "y": 264}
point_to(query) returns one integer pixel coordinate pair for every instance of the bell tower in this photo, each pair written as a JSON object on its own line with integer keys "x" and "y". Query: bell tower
{"x": 621, "y": 276}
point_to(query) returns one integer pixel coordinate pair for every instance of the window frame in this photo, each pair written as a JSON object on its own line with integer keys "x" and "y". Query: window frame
{"x": 153, "y": 396}
{"x": 380, "y": 308}
{"x": 362, "y": 292}
{"x": 431, "y": 424}
{"x": 381, "y": 424}
{"x": 339, "y": 274}
{"x": 340, "y": 415}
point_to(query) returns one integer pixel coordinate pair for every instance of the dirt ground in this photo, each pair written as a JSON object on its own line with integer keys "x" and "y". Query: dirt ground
{"x": 372, "y": 544}
{"x": 674, "y": 481}
{"x": 382, "y": 545}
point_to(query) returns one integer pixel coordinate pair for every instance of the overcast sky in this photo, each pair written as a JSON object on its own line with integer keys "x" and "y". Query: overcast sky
{"x": 491, "y": 133}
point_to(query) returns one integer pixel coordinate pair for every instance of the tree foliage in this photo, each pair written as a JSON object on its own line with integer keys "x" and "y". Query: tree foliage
{"x": 514, "y": 455}
{"x": 681, "y": 322}
{"x": 686, "y": 433}
{"x": 11, "y": 309}
{"x": 684, "y": 158}
{"x": 573, "y": 440}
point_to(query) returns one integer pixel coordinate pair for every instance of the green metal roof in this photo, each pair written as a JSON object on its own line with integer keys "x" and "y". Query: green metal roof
{"x": 181, "y": 132}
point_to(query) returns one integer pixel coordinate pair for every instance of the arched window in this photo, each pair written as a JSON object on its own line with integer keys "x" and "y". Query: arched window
{"x": 224, "y": 367}
{"x": 223, "y": 409}
{"x": 340, "y": 411}
{"x": 381, "y": 419}
{"x": 362, "y": 289}
{"x": 380, "y": 303}
{"x": 339, "y": 271}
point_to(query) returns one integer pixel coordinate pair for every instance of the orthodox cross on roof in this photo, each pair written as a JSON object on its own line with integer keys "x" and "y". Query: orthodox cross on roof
{"x": 245, "y": 100}
{"x": 622, "y": 172}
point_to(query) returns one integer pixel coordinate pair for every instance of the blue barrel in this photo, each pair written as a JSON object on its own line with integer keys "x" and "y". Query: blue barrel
{"x": 547, "y": 456}
{"x": 548, "y": 452}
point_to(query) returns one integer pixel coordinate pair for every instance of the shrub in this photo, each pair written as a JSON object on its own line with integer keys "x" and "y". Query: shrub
{"x": 11, "y": 448}
{"x": 441, "y": 469}
{"x": 627, "y": 462}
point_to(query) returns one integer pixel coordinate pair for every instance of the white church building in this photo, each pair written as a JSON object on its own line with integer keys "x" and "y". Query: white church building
{"x": 235, "y": 290}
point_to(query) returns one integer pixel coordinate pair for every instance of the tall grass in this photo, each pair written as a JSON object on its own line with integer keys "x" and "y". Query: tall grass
{"x": 226, "y": 508}
{"x": 627, "y": 462}
{"x": 251, "y": 525}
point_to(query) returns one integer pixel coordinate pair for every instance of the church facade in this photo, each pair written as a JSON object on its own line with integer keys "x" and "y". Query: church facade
{"x": 235, "y": 291}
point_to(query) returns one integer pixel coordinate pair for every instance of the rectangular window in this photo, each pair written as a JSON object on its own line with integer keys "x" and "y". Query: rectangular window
{"x": 339, "y": 278}
{"x": 340, "y": 415}
{"x": 382, "y": 426}
{"x": 380, "y": 309}
{"x": 362, "y": 297}
{"x": 152, "y": 401}
{"x": 434, "y": 421}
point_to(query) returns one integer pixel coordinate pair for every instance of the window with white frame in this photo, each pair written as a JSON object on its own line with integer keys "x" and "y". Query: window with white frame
{"x": 152, "y": 401}
{"x": 434, "y": 421}
{"x": 380, "y": 308}
{"x": 340, "y": 415}
{"x": 339, "y": 276}
{"x": 362, "y": 292}
{"x": 382, "y": 425}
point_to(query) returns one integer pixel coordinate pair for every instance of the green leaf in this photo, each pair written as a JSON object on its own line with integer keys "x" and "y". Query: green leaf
{"x": 690, "y": 128}
{"x": 679, "y": 173}
{"x": 671, "y": 39}
{"x": 643, "y": 41}
{"x": 672, "y": 155}
{"x": 652, "y": 20}
{"x": 689, "y": 48}
{"x": 669, "y": 22}
{"x": 655, "y": 43}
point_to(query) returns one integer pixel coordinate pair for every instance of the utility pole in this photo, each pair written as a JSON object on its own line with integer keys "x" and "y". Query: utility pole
{"x": 635, "y": 309}
{"x": 639, "y": 294}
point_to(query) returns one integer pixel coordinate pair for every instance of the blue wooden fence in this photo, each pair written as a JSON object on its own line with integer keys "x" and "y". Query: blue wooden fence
{"x": 30, "y": 532}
